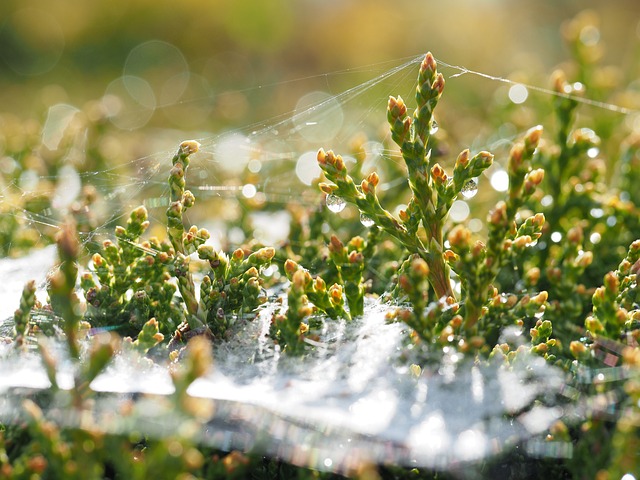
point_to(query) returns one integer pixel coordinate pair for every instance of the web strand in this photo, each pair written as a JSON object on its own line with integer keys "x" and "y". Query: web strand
{"x": 586, "y": 101}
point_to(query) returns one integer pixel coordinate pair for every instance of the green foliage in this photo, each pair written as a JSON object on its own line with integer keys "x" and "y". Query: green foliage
{"x": 547, "y": 268}
{"x": 420, "y": 227}
{"x": 131, "y": 281}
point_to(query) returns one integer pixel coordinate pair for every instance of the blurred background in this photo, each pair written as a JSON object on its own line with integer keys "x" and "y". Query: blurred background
{"x": 144, "y": 75}
{"x": 198, "y": 63}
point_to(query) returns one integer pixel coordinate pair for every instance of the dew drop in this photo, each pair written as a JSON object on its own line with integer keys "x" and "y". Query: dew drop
{"x": 546, "y": 201}
{"x": 596, "y": 212}
{"x": 335, "y": 203}
{"x": 500, "y": 181}
{"x": 249, "y": 190}
{"x": 434, "y": 127}
{"x": 254, "y": 166}
{"x": 518, "y": 94}
{"x": 459, "y": 211}
{"x": 590, "y": 35}
{"x": 366, "y": 221}
{"x": 470, "y": 188}
{"x": 475, "y": 225}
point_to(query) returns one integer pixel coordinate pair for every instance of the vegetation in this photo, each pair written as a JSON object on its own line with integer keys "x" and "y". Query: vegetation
{"x": 556, "y": 262}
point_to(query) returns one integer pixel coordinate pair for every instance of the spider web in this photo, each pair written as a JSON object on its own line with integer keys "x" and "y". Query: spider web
{"x": 354, "y": 400}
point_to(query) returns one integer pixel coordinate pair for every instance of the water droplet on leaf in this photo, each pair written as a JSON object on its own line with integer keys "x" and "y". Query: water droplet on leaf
{"x": 434, "y": 127}
{"x": 546, "y": 201}
{"x": 593, "y": 152}
{"x": 470, "y": 188}
{"x": 596, "y": 212}
{"x": 366, "y": 221}
{"x": 500, "y": 181}
{"x": 335, "y": 203}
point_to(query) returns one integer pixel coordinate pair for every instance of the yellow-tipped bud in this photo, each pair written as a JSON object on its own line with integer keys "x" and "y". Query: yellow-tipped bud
{"x": 266, "y": 253}
{"x": 450, "y": 256}
{"x": 540, "y": 298}
{"x": 419, "y": 267}
{"x": 438, "y": 84}
{"x": 335, "y": 245}
{"x": 533, "y": 135}
{"x": 396, "y": 107}
{"x": 177, "y": 171}
{"x": 373, "y": 179}
{"x": 328, "y": 189}
{"x": 487, "y": 157}
{"x": 356, "y": 257}
{"x": 290, "y": 267}
{"x": 559, "y": 81}
{"x": 438, "y": 173}
{"x": 584, "y": 259}
{"x": 463, "y": 159}
{"x": 515, "y": 157}
{"x": 533, "y": 275}
{"x": 139, "y": 214}
{"x": 459, "y": 237}
{"x": 611, "y": 282}
{"x": 357, "y": 242}
{"x": 593, "y": 325}
{"x": 478, "y": 250}
{"x": 429, "y": 63}
{"x": 498, "y": 215}
{"x": 335, "y": 292}
{"x": 535, "y": 176}
{"x": 322, "y": 157}
{"x": 298, "y": 281}
{"x": 538, "y": 219}
{"x": 98, "y": 260}
{"x": 622, "y": 315}
{"x": 189, "y": 147}
{"x": 456, "y": 321}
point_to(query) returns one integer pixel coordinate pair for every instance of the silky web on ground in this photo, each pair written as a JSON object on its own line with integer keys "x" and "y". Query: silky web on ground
{"x": 355, "y": 398}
